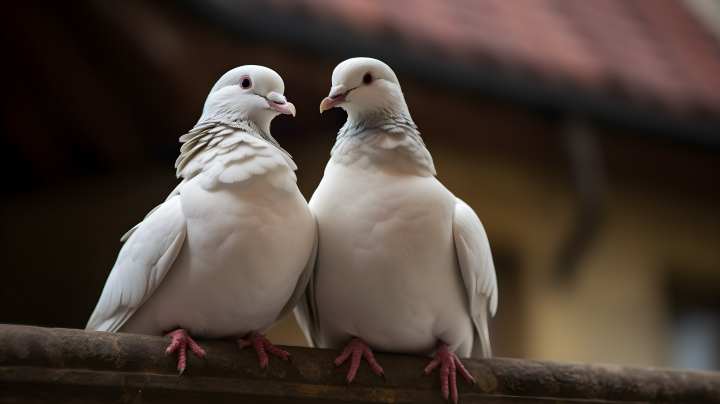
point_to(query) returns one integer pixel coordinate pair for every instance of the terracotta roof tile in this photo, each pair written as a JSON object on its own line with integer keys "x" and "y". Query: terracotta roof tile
{"x": 652, "y": 51}
{"x": 694, "y": 54}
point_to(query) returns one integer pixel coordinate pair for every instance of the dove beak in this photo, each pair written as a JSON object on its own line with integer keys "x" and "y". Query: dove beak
{"x": 333, "y": 101}
{"x": 282, "y": 107}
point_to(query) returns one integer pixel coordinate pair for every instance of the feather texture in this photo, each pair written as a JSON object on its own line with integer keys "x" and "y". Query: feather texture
{"x": 224, "y": 154}
{"x": 478, "y": 270}
{"x": 385, "y": 136}
{"x": 141, "y": 265}
{"x": 402, "y": 263}
{"x": 217, "y": 259}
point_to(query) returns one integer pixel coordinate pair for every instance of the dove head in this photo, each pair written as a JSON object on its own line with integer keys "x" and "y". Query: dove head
{"x": 363, "y": 86}
{"x": 247, "y": 93}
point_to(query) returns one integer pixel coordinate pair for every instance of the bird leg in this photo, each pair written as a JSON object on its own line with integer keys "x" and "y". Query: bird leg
{"x": 260, "y": 344}
{"x": 358, "y": 349}
{"x": 449, "y": 363}
{"x": 182, "y": 340}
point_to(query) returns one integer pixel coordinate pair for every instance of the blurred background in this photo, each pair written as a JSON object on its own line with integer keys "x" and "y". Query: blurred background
{"x": 585, "y": 134}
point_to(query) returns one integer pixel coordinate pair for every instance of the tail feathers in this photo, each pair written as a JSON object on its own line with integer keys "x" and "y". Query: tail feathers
{"x": 481, "y": 344}
{"x": 306, "y": 321}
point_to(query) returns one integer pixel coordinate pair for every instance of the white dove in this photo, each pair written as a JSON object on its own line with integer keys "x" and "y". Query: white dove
{"x": 403, "y": 265}
{"x": 230, "y": 251}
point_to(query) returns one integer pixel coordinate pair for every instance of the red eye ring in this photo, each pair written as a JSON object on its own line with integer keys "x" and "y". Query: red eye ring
{"x": 368, "y": 78}
{"x": 245, "y": 82}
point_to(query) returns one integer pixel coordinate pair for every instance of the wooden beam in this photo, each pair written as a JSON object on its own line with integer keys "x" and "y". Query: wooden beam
{"x": 62, "y": 365}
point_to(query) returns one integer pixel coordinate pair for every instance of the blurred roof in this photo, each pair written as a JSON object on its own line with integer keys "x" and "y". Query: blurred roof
{"x": 649, "y": 49}
{"x": 653, "y": 54}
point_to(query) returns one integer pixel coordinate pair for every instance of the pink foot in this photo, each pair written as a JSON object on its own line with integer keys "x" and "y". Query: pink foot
{"x": 182, "y": 340}
{"x": 358, "y": 349}
{"x": 260, "y": 344}
{"x": 448, "y": 363}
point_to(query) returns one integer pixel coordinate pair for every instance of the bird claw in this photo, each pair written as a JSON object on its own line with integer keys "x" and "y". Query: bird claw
{"x": 289, "y": 358}
{"x": 262, "y": 346}
{"x": 181, "y": 342}
{"x": 357, "y": 349}
{"x": 449, "y": 364}
{"x": 206, "y": 358}
{"x": 383, "y": 376}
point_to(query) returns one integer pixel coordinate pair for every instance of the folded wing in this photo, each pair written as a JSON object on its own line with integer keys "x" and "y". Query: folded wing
{"x": 478, "y": 271}
{"x": 142, "y": 264}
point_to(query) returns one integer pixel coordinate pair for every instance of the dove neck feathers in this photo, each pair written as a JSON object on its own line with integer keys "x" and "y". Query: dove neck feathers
{"x": 386, "y": 134}
{"x": 224, "y": 153}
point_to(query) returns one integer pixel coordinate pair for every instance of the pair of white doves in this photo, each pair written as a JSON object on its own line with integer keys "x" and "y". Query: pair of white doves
{"x": 383, "y": 258}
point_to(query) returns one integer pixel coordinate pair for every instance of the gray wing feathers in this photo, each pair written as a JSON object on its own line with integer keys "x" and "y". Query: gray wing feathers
{"x": 302, "y": 282}
{"x": 478, "y": 270}
{"x": 141, "y": 265}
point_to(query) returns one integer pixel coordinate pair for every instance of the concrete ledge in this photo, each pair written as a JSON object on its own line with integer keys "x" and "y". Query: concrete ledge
{"x": 61, "y": 365}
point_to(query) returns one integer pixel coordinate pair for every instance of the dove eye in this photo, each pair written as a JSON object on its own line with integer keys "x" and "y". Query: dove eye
{"x": 368, "y": 78}
{"x": 245, "y": 82}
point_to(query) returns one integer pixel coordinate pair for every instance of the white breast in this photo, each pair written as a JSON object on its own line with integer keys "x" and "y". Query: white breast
{"x": 249, "y": 237}
{"x": 387, "y": 268}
